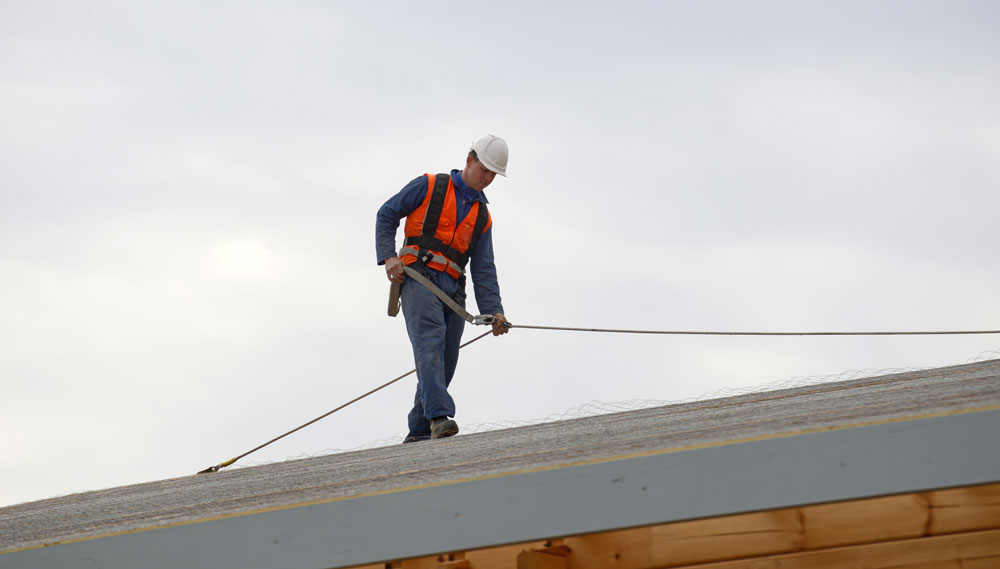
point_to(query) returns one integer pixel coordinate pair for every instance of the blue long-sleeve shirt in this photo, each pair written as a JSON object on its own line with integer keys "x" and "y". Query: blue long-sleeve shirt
{"x": 481, "y": 264}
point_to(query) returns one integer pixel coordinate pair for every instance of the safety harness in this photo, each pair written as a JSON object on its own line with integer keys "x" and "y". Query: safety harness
{"x": 429, "y": 249}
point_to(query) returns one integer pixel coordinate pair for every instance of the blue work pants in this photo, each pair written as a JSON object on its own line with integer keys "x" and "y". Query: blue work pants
{"x": 435, "y": 333}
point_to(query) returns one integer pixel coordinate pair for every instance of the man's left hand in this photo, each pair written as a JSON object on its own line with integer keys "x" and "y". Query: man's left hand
{"x": 499, "y": 324}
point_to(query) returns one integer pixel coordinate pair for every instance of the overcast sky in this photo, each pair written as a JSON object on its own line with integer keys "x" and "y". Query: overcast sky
{"x": 188, "y": 194}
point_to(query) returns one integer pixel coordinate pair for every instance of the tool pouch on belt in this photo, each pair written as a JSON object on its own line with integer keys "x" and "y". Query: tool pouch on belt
{"x": 393, "y": 299}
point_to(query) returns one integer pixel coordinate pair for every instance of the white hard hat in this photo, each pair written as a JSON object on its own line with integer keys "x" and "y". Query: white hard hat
{"x": 492, "y": 152}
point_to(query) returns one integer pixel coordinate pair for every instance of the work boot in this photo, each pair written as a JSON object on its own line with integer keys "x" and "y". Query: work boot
{"x": 443, "y": 427}
{"x": 414, "y": 439}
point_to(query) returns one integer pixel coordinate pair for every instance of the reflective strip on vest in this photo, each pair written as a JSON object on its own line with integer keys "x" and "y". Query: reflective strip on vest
{"x": 431, "y": 258}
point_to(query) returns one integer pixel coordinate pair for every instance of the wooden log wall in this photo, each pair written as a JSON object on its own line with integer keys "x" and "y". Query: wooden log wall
{"x": 945, "y": 529}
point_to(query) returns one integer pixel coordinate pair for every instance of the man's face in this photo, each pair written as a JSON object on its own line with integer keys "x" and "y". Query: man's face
{"x": 478, "y": 176}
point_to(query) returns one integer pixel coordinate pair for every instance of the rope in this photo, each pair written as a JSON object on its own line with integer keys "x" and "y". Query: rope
{"x": 222, "y": 465}
{"x": 711, "y": 333}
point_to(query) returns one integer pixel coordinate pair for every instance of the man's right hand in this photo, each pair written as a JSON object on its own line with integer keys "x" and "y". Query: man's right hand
{"x": 394, "y": 270}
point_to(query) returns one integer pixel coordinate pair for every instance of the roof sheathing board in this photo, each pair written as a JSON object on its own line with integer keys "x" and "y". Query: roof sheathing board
{"x": 424, "y": 471}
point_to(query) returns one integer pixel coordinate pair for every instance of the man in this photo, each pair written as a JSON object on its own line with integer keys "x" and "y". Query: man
{"x": 447, "y": 226}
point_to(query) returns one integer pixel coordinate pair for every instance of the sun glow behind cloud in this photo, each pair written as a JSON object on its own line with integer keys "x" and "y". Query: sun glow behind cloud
{"x": 242, "y": 260}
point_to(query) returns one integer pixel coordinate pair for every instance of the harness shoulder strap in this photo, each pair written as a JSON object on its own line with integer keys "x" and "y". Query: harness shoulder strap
{"x": 482, "y": 218}
{"x": 433, "y": 214}
{"x": 434, "y": 209}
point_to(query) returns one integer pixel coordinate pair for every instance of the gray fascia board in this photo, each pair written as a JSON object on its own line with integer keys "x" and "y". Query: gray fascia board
{"x": 783, "y": 471}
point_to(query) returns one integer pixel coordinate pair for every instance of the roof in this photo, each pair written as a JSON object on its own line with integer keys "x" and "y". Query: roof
{"x": 876, "y": 436}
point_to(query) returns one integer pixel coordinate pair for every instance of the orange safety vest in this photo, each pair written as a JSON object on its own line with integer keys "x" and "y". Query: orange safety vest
{"x": 435, "y": 236}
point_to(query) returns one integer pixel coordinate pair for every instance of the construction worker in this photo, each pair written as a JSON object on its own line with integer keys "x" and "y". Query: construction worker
{"x": 447, "y": 226}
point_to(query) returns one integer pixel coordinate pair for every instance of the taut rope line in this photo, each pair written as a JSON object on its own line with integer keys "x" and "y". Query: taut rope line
{"x": 713, "y": 333}
{"x": 222, "y": 465}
